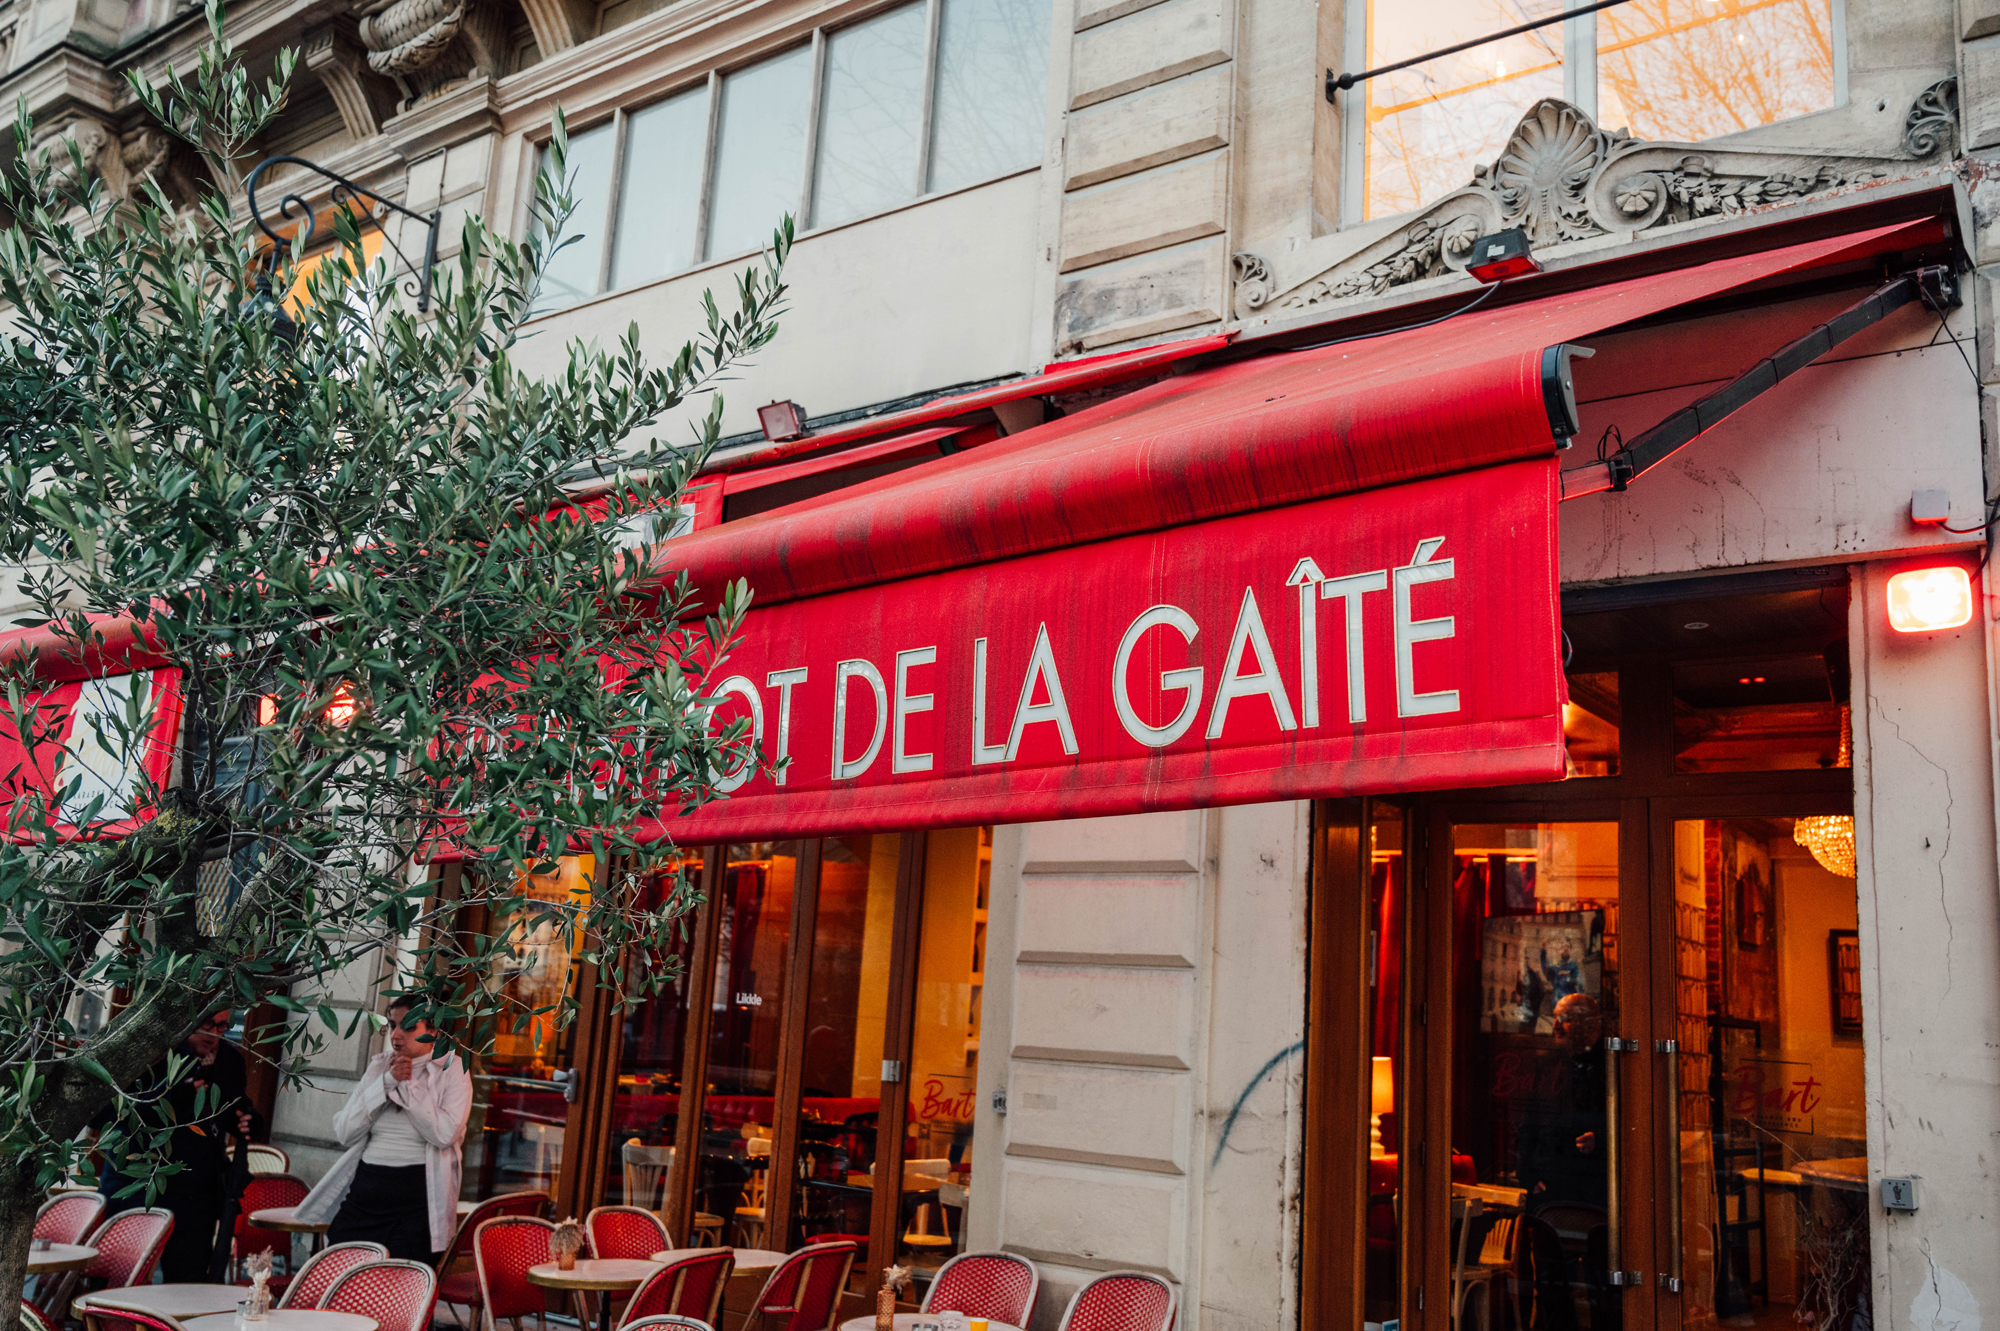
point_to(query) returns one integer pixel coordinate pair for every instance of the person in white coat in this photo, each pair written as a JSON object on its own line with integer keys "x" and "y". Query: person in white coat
{"x": 404, "y": 1130}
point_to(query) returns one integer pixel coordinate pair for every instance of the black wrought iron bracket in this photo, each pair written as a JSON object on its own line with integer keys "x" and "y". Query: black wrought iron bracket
{"x": 346, "y": 191}
{"x": 1342, "y": 82}
{"x": 1935, "y": 285}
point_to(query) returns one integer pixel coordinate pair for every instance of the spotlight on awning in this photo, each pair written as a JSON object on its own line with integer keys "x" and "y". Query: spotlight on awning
{"x": 1502, "y": 255}
{"x": 782, "y": 421}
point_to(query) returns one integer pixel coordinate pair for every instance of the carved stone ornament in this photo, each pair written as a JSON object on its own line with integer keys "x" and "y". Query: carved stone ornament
{"x": 427, "y": 46}
{"x": 1562, "y": 179}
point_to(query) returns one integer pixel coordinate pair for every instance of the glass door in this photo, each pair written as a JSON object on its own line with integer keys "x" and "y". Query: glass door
{"x": 1769, "y": 1223}
{"x": 1523, "y": 1154}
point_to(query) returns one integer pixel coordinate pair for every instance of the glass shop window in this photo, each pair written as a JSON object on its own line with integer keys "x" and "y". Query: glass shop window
{"x": 760, "y": 151}
{"x": 575, "y": 270}
{"x": 659, "y": 198}
{"x": 1768, "y": 712}
{"x": 1388, "y": 907}
{"x": 840, "y": 1075}
{"x": 645, "y": 1111}
{"x": 871, "y": 113}
{"x": 1694, "y": 69}
{"x": 515, "y": 1136}
{"x": 752, "y": 946}
{"x": 1429, "y": 127}
{"x": 992, "y": 82}
{"x": 1590, "y": 724}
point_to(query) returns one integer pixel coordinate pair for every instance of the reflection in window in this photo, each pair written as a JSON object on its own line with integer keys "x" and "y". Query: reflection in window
{"x": 871, "y": 113}
{"x": 1757, "y": 714}
{"x": 573, "y": 270}
{"x": 1590, "y": 724}
{"x": 645, "y": 1111}
{"x": 1431, "y": 126}
{"x": 992, "y": 80}
{"x": 760, "y": 151}
{"x": 1388, "y": 894}
{"x": 659, "y": 203}
{"x": 1695, "y": 69}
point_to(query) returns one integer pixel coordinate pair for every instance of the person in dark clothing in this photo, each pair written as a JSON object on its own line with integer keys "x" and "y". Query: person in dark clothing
{"x": 201, "y": 1191}
{"x": 1564, "y": 1127}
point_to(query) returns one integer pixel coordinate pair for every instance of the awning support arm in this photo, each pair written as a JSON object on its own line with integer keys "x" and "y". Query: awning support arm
{"x": 1936, "y": 286}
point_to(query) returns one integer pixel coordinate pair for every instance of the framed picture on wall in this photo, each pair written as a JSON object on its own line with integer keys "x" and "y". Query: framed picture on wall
{"x": 1844, "y": 961}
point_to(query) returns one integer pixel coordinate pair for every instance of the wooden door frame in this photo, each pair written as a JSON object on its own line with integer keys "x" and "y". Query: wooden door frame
{"x": 1335, "y": 1174}
{"x": 679, "y": 1205}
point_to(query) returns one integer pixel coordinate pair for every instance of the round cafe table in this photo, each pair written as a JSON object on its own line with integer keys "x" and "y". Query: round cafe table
{"x": 289, "y": 1319}
{"x": 285, "y": 1220}
{"x": 602, "y": 1276}
{"x": 180, "y": 1302}
{"x": 914, "y": 1321}
{"x": 59, "y": 1257}
{"x": 759, "y": 1260}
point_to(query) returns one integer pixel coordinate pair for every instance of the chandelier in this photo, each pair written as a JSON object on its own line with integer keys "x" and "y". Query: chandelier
{"x": 1830, "y": 838}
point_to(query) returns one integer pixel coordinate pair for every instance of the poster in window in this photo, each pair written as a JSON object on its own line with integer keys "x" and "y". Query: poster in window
{"x": 1529, "y": 963}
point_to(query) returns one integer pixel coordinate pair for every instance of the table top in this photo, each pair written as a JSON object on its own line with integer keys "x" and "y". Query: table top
{"x": 179, "y": 1301}
{"x": 286, "y": 1218}
{"x": 747, "y": 1259}
{"x": 913, "y": 1321}
{"x": 605, "y": 1273}
{"x": 1847, "y": 1173}
{"x": 60, "y": 1257}
{"x": 288, "y": 1319}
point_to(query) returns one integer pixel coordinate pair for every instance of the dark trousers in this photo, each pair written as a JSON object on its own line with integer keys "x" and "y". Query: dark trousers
{"x": 195, "y": 1198}
{"x": 389, "y": 1206}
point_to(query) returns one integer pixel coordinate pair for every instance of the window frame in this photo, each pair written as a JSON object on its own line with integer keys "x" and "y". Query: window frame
{"x": 536, "y": 142}
{"x": 1579, "y": 68}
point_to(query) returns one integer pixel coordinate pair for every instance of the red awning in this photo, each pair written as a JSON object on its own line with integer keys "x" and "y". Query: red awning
{"x": 1319, "y": 572}
{"x": 68, "y": 749}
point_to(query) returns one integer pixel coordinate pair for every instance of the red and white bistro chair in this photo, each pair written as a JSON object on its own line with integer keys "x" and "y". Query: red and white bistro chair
{"x": 803, "y": 1293}
{"x": 690, "y": 1287}
{"x": 995, "y": 1285}
{"x": 1121, "y": 1301}
{"x": 128, "y": 1248}
{"x": 458, "y": 1281}
{"x": 399, "y": 1295}
{"x": 625, "y": 1232}
{"x": 68, "y": 1216}
{"x": 103, "y": 1316}
{"x": 324, "y": 1267}
{"x": 502, "y": 1251}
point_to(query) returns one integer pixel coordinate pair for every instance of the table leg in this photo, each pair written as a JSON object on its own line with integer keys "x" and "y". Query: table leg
{"x": 604, "y": 1316}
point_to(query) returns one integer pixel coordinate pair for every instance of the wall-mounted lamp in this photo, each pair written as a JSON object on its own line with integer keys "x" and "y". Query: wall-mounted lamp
{"x": 1381, "y": 1100}
{"x": 1502, "y": 255}
{"x": 1925, "y": 600}
{"x": 341, "y": 708}
{"x": 782, "y": 421}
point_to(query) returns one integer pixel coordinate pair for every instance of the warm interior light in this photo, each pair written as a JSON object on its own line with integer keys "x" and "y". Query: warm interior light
{"x": 341, "y": 709}
{"x": 1924, "y": 600}
{"x": 1381, "y": 1100}
{"x": 1830, "y": 838}
{"x": 267, "y": 710}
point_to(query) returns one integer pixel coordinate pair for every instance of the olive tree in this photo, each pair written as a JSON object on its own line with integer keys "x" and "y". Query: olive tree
{"x": 339, "y": 537}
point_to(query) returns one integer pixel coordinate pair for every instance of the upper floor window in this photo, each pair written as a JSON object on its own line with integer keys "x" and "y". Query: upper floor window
{"x": 1664, "y": 69}
{"x": 921, "y": 98}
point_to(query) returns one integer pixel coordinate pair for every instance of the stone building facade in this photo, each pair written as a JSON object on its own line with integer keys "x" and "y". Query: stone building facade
{"x": 1064, "y": 183}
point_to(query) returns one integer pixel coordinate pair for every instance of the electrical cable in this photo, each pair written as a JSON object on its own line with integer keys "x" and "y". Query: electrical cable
{"x": 1466, "y": 308}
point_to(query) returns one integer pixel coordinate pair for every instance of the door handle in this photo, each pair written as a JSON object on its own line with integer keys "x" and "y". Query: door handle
{"x": 1614, "y": 1239}
{"x": 1670, "y": 1279}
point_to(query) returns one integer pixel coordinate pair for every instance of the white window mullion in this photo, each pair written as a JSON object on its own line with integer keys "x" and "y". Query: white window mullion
{"x": 1353, "y": 109}
{"x": 933, "y": 20}
{"x": 708, "y": 166}
{"x": 611, "y": 198}
{"x": 1580, "y": 61}
{"x": 812, "y": 129}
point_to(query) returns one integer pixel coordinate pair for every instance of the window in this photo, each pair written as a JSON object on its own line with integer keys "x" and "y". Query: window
{"x": 1665, "y": 69}
{"x": 926, "y": 97}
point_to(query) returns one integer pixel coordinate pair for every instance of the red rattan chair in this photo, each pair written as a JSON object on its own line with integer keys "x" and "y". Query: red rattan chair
{"x": 690, "y": 1287}
{"x": 803, "y": 1293}
{"x": 128, "y": 1247}
{"x": 460, "y": 1286}
{"x": 34, "y": 1319}
{"x": 502, "y": 1251}
{"x": 324, "y": 1267}
{"x": 399, "y": 1295}
{"x": 994, "y": 1285}
{"x": 67, "y": 1217}
{"x": 669, "y": 1322}
{"x": 260, "y": 1193}
{"x": 1121, "y": 1301}
{"x": 625, "y": 1231}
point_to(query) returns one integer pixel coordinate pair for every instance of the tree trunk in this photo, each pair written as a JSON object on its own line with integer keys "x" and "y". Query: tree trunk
{"x": 19, "y": 1200}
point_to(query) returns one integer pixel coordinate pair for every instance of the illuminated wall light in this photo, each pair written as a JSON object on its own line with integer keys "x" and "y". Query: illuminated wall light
{"x": 341, "y": 709}
{"x": 1925, "y": 600}
{"x": 267, "y": 710}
